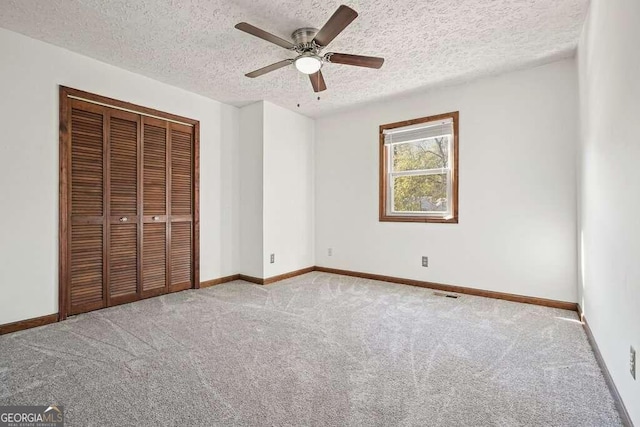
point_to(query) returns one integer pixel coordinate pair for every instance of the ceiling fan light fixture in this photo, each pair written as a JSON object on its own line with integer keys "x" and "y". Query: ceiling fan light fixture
{"x": 309, "y": 43}
{"x": 308, "y": 64}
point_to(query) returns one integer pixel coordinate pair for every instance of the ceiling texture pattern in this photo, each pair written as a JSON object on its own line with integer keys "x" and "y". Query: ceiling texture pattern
{"x": 192, "y": 44}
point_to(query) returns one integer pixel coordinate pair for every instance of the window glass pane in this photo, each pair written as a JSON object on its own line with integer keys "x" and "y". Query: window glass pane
{"x": 420, "y": 193}
{"x": 426, "y": 154}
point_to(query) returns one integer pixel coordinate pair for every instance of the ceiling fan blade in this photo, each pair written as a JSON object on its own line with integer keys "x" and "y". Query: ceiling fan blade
{"x": 317, "y": 81}
{"x": 269, "y": 68}
{"x": 357, "y": 60}
{"x": 334, "y": 26}
{"x": 255, "y": 31}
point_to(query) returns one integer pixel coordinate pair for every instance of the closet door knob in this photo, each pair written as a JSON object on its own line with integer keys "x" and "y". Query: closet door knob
{"x": 124, "y": 219}
{"x": 155, "y": 218}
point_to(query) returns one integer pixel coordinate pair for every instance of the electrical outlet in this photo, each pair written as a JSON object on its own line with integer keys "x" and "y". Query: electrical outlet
{"x": 330, "y": 252}
{"x": 632, "y": 362}
{"x": 272, "y": 259}
{"x": 425, "y": 261}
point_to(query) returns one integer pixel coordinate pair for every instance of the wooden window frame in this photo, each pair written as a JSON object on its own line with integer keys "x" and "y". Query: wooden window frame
{"x": 66, "y": 94}
{"x": 384, "y": 173}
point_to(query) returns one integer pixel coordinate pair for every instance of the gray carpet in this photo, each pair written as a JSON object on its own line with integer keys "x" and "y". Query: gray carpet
{"x": 318, "y": 349}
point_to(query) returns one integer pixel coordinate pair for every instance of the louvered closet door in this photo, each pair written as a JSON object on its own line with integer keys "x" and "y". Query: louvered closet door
{"x": 128, "y": 223}
{"x": 181, "y": 207}
{"x": 87, "y": 284}
{"x": 155, "y": 268}
{"x": 124, "y": 222}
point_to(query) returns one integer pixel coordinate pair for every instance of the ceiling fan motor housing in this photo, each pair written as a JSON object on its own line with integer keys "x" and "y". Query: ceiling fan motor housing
{"x": 308, "y": 61}
{"x": 304, "y": 36}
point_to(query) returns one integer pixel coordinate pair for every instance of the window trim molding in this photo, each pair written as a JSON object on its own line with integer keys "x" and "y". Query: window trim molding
{"x": 384, "y": 217}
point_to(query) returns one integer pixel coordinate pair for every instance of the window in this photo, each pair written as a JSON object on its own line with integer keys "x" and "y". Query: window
{"x": 419, "y": 170}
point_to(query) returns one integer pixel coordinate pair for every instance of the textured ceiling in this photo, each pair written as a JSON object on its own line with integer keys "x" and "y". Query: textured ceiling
{"x": 192, "y": 43}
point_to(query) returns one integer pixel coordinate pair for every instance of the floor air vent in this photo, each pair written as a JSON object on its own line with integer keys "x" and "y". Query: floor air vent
{"x": 442, "y": 294}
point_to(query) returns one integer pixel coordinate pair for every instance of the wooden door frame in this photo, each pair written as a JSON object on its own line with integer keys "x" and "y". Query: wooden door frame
{"x": 67, "y": 93}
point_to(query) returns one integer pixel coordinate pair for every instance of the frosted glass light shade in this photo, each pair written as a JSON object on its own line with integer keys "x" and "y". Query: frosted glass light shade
{"x": 308, "y": 64}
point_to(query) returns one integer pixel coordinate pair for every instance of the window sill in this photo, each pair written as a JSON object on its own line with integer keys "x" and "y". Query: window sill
{"x": 424, "y": 219}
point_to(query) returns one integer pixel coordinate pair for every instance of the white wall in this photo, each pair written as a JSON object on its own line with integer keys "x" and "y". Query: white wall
{"x": 30, "y": 72}
{"x": 518, "y": 137}
{"x": 276, "y": 180}
{"x": 288, "y": 190}
{"x": 251, "y": 190}
{"x": 608, "y": 67}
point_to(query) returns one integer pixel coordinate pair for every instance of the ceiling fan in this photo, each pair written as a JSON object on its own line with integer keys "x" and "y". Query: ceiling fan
{"x": 308, "y": 44}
